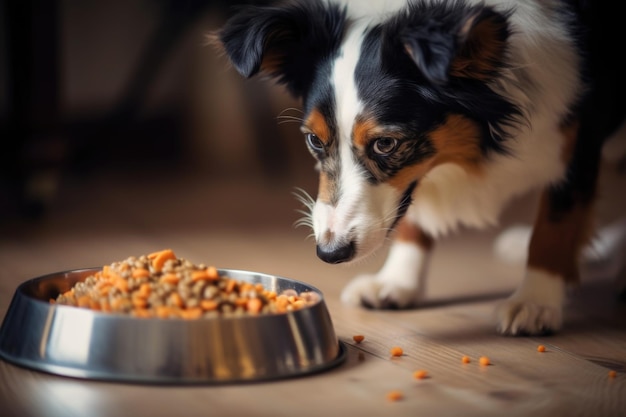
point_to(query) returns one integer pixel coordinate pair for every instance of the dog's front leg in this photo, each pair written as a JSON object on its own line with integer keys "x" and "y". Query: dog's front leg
{"x": 400, "y": 283}
{"x": 559, "y": 234}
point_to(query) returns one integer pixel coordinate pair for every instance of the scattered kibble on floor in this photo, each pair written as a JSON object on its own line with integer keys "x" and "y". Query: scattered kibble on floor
{"x": 396, "y": 351}
{"x": 612, "y": 374}
{"x": 484, "y": 361}
{"x": 420, "y": 374}
{"x": 395, "y": 395}
{"x": 358, "y": 338}
{"x": 541, "y": 348}
{"x": 466, "y": 359}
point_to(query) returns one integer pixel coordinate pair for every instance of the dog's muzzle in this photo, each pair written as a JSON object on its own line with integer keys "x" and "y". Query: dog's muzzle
{"x": 338, "y": 253}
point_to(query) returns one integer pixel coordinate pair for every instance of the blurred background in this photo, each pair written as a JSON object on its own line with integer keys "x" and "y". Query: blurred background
{"x": 130, "y": 90}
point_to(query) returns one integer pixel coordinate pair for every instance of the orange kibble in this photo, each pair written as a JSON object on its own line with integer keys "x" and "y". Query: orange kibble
{"x": 83, "y": 301}
{"x": 484, "y": 361}
{"x": 541, "y": 348}
{"x": 117, "y": 304}
{"x": 163, "y": 311}
{"x": 466, "y": 359}
{"x": 612, "y": 374}
{"x": 209, "y": 305}
{"x": 176, "y": 300}
{"x": 212, "y": 272}
{"x": 230, "y": 285}
{"x": 169, "y": 279}
{"x": 395, "y": 395}
{"x": 191, "y": 313}
{"x": 104, "y": 288}
{"x": 358, "y": 338}
{"x": 282, "y": 301}
{"x": 203, "y": 275}
{"x": 144, "y": 290}
{"x": 298, "y": 304}
{"x": 420, "y": 374}
{"x": 254, "y": 305}
{"x": 121, "y": 284}
{"x": 159, "y": 258}
{"x": 139, "y": 302}
{"x": 140, "y": 273}
{"x": 396, "y": 351}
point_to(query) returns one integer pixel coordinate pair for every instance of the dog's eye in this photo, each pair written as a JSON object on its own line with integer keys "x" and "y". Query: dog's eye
{"x": 384, "y": 146}
{"x": 314, "y": 142}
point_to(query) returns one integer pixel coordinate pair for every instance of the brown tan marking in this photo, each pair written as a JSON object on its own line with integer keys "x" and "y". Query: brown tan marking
{"x": 316, "y": 123}
{"x": 457, "y": 140}
{"x": 483, "y": 50}
{"x": 407, "y": 175}
{"x": 556, "y": 243}
{"x": 366, "y": 129}
{"x": 361, "y": 132}
{"x": 409, "y": 232}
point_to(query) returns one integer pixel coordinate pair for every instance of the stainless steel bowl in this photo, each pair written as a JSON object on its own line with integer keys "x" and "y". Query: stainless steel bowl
{"x": 83, "y": 343}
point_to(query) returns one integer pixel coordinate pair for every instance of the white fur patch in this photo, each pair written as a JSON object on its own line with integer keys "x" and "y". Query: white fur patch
{"x": 536, "y": 307}
{"x": 363, "y": 213}
{"x": 399, "y": 283}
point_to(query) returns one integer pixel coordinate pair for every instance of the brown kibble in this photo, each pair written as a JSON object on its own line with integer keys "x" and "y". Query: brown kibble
{"x": 396, "y": 351}
{"x": 484, "y": 361}
{"x": 395, "y": 395}
{"x": 541, "y": 348}
{"x": 466, "y": 359}
{"x": 420, "y": 374}
{"x": 612, "y": 374}
{"x": 358, "y": 338}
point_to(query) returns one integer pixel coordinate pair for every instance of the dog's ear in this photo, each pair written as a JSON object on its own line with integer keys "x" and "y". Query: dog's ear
{"x": 453, "y": 40}
{"x": 285, "y": 42}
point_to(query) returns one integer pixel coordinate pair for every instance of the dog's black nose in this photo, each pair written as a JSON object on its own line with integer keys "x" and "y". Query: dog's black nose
{"x": 337, "y": 254}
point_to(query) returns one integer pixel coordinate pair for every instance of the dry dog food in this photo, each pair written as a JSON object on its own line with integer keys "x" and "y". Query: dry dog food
{"x": 395, "y": 395}
{"x": 358, "y": 338}
{"x": 484, "y": 361}
{"x": 396, "y": 351}
{"x": 164, "y": 286}
{"x": 465, "y": 359}
{"x": 541, "y": 348}
{"x": 420, "y": 374}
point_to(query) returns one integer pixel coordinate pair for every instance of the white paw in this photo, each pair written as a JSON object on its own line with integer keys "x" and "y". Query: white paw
{"x": 376, "y": 292}
{"x": 535, "y": 308}
{"x": 524, "y": 317}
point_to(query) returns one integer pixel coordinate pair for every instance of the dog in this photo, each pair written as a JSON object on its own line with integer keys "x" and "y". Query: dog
{"x": 425, "y": 116}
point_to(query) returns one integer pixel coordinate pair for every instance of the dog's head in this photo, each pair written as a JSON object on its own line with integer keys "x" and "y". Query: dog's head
{"x": 384, "y": 102}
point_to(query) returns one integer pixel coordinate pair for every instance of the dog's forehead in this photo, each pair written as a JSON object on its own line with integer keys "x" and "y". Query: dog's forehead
{"x": 359, "y": 84}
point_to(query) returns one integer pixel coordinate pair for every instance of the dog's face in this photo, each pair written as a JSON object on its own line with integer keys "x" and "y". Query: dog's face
{"x": 384, "y": 103}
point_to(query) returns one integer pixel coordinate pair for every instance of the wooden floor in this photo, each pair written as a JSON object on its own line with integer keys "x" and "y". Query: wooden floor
{"x": 249, "y": 225}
